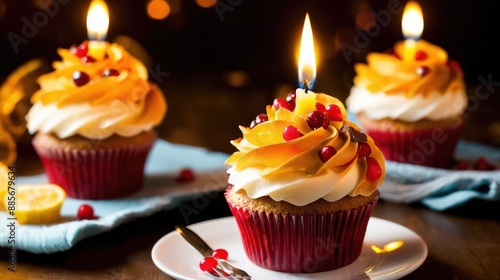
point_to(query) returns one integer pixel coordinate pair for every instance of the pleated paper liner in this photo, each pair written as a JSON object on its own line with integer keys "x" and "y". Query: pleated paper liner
{"x": 97, "y": 173}
{"x": 303, "y": 243}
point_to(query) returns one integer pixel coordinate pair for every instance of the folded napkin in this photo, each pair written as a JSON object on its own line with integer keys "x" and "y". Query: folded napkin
{"x": 160, "y": 192}
{"x": 441, "y": 189}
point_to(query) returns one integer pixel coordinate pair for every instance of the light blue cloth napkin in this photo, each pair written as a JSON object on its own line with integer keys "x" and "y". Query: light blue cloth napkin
{"x": 160, "y": 192}
{"x": 441, "y": 189}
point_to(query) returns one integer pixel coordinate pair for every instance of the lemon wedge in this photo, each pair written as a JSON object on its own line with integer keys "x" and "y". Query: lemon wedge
{"x": 37, "y": 203}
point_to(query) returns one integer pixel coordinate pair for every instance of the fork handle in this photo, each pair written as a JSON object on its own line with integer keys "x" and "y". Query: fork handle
{"x": 195, "y": 241}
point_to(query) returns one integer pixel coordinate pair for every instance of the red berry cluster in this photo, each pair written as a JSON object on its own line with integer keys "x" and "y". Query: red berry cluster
{"x": 480, "y": 164}
{"x": 81, "y": 78}
{"x": 209, "y": 263}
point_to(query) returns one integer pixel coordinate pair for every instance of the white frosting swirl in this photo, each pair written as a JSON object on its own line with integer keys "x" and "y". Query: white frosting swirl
{"x": 290, "y": 187}
{"x": 435, "y": 106}
{"x": 93, "y": 122}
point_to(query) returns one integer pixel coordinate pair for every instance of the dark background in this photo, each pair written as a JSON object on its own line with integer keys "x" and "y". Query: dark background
{"x": 257, "y": 41}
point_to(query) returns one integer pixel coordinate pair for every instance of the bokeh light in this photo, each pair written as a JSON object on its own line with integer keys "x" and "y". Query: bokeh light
{"x": 3, "y": 8}
{"x": 158, "y": 9}
{"x": 206, "y": 3}
{"x": 42, "y": 4}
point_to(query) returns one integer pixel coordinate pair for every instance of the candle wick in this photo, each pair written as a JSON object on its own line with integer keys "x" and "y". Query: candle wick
{"x": 305, "y": 84}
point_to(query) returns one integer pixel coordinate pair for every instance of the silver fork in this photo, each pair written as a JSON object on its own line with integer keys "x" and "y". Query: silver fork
{"x": 224, "y": 269}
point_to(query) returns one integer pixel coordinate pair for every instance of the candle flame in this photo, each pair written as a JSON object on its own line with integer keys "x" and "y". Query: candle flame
{"x": 97, "y": 20}
{"x": 413, "y": 21}
{"x": 307, "y": 57}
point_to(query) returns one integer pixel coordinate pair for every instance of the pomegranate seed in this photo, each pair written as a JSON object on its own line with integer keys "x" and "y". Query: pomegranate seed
{"x": 281, "y": 103}
{"x": 326, "y": 153}
{"x": 82, "y": 49}
{"x": 420, "y": 55}
{"x": 110, "y": 72}
{"x": 364, "y": 149}
{"x": 291, "y": 132}
{"x": 320, "y": 107}
{"x": 259, "y": 119}
{"x": 220, "y": 254}
{"x": 85, "y": 212}
{"x": 87, "y": 59}
{"x": 482, "y": 164}
{"x": 453, "y": 64}
{"x": 463, "y": 165}
{"x": 208, "y": 264}
{"x": 185, "y": 175}
{"x": 423, "y": 70}
{"x": 80, "y": 78}
{"x": 316, "y": 119}
{"x": 373, "y": 170}
{"x": 333, "y": 113}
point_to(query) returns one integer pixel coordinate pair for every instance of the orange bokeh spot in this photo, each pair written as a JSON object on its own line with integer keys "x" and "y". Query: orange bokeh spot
{"x": 206, "y": 3}
{"x": 158, "y": 9}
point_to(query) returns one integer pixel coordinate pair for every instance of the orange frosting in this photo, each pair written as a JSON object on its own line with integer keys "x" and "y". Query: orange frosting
{"x": 264, "y": 147}
{"x": 389, "y": 74}
{"x": 130, "y": 86}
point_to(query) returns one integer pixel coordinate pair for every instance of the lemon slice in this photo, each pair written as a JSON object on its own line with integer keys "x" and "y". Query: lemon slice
{"x": 38, "y": 203}
{"x": 3, "y": 183}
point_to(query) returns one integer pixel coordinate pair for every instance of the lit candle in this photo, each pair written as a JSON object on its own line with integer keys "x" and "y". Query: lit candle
{"x": 307, "y": 71}
{"x": 307, "y": 57}
{"x": 97, "y": 28}
{"x": 413, "y": 26}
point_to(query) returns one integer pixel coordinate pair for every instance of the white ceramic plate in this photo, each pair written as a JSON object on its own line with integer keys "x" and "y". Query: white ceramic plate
{"x": 174, "y": 256}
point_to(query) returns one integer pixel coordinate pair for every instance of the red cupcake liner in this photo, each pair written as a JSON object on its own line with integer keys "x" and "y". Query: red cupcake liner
{"x": 432, "y": 147}
{"x": 99, "y": 173}
{"x": 302, "y": 243}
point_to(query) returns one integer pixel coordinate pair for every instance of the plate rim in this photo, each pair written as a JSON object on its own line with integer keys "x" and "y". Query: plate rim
{"x": 422, "y": 256}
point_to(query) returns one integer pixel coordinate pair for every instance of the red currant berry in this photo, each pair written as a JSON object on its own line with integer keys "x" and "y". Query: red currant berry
{"x": 281, "y": 103}
{"x": 364, "y": 149}
{"x": 291, "y": 132}
{"x": 333, "y": 113}
{"x": 420, "y": 55}
{"x": 463, "y": 165}
{"x": 110, "y": 72}
{"x": 373, "y": 170}
{"x": 208, "y": 264}
{"x": 316, "y": 119}
{"x": 80, "y": 78}
{"x": 326, "y": 153}
{"x": 85, "y": 212}
{"x": 87, "y": 59}
{"x": 220, "y": 254}
{"x": 482, "y": 164}
{"x": 185, "y": 175}
{"x": 320, "y": 107}
{"x": 82, "y": 49}
{"x": 423, "y": 70}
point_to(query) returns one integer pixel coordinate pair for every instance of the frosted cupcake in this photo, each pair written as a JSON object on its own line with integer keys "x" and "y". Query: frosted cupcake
{"x": 303, "y": 184}
{"x": 412, "y": 109}
{"x": 94, "y": 121}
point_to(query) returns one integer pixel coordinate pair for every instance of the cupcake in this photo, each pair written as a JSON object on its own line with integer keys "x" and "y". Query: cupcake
{"x": 414, "y": 110}
{"x": 303, "y": 184}
{"x": 94, "y": 122}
